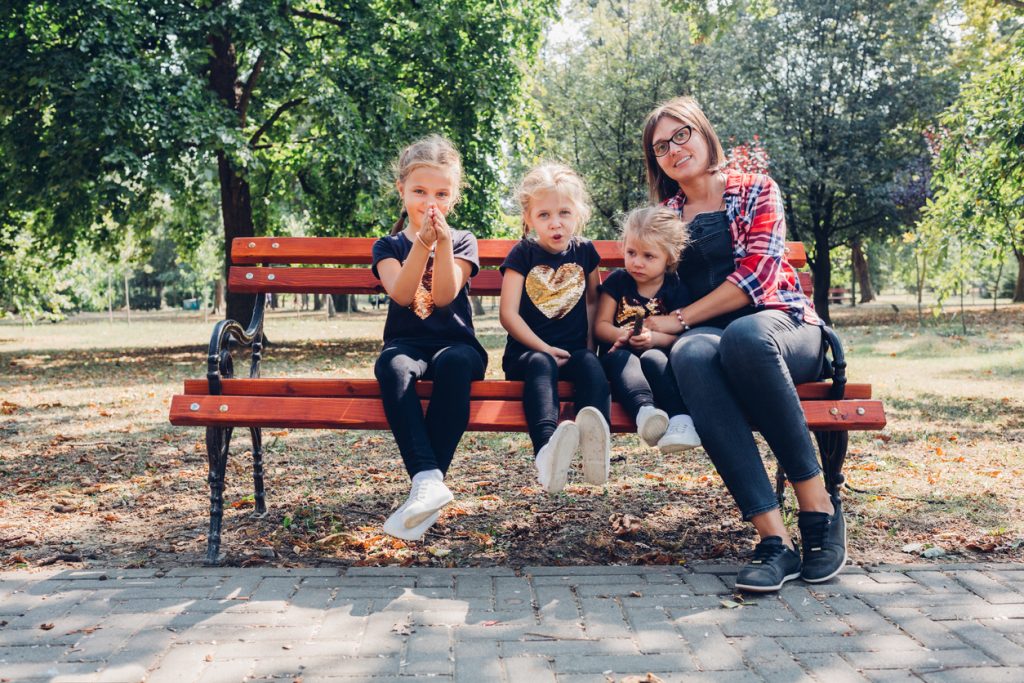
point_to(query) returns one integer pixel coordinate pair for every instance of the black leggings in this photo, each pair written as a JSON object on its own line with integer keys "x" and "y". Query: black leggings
{"x": 540, "y": 374}
{"x": 427, "y": 443}
{"x": 643, "y": 380}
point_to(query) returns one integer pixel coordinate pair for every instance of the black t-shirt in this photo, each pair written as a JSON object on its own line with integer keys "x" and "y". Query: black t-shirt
{"x": 422, "y": 322}
{"x": 629, "y": 304}
{"x": 554, "y": 301}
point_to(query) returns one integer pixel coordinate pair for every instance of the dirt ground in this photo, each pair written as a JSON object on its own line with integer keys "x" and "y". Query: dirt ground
{"x": 92, "y": 473}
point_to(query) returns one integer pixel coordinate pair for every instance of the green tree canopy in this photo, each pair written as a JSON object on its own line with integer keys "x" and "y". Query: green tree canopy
{"x": 288, "y": 110}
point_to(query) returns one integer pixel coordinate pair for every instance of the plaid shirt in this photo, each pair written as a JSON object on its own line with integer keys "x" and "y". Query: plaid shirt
{"x": 753, "y": 206}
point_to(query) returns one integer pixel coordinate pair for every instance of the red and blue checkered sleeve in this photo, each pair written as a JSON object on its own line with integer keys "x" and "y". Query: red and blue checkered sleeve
{"x": 762, "y": 244}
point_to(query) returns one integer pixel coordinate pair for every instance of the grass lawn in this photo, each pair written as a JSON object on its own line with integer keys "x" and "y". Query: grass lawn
{"x": 92, "y": 471}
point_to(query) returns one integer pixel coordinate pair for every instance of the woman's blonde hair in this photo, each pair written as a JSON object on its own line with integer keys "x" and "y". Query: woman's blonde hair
{"x": 660, "y": 226}
{"x": 435, "y": 151}
{"x": 687, "y": 111}
{"x": 554, "y": 177}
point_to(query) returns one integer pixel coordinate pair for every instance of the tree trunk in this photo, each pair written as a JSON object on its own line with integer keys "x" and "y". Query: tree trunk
{"x": 822, "y": 269}
{"x": 863, "y": 275}
{"x": 318, "y": 302}
{"x": 1018, "y": 289}
{"x": 235, "y": 199}
{"x": 478, "y": 305}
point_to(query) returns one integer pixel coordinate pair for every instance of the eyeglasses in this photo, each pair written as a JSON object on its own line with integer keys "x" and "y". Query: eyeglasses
{"x": 680, "y": 137}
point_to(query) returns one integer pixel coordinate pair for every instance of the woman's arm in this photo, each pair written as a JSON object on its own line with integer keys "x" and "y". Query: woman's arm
{"x": 508, "y": 313}
{"x": 725, "y": 298}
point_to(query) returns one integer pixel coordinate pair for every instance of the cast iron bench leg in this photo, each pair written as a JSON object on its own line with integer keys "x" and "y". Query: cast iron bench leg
{"x": 218, "y": 441}
{"x": 257, "y": 470}
{"x": 833, "y": 446}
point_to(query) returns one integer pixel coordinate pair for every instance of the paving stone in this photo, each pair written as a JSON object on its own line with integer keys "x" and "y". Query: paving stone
{"x": 533, "y": 669}
{"x": 428, "y": 651}
{"x": 995, "y": 645}
{"x": 934, "y": 635}
{"x": 866, "y": 643}
{"x": 654, "y": 631}
{"x": 623, "y": 664}
{"x": 712, "y": 650}
{"x": 859, "y": 615}
{"x": 556, "y": 602}
{"x": 987, "y": 587}
{"x": 604, "y": 618}
{"x": 769, "y": 659}
{"x": 977, "y": 675}
{"x": 918, "y": 660}
{"x": 548, "y": 647}
{"x": 474, "y": 586}
{"x": 708, "y": 584}
{"x": 829, "y": 667}
{"x": 233, "y": 670}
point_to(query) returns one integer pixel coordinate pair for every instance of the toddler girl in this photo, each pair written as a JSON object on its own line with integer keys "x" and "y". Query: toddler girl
{"x": 634, "y": 357}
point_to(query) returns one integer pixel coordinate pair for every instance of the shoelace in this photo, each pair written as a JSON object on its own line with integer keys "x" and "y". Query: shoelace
{"x": 766, "y": 552}
{"x": 814, "y": 536}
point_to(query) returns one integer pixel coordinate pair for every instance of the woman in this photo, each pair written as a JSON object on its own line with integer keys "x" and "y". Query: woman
{"x": 749, "y": 336}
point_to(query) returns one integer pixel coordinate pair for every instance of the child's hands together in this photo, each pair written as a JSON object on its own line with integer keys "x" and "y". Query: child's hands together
{"x": 623, "y": 339}
{"x": 441, "y": 228}
{"x": 561, "y": 356}
{"x": 668, "y": 324}
{"x": 642, "y": 340}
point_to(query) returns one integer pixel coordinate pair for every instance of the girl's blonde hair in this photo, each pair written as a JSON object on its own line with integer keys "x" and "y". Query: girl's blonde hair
{"x": 435, "y": 151}
{"x": 685, "y": 110}
{"x": 660, "y": 226}
{"x": 554, "y": 177}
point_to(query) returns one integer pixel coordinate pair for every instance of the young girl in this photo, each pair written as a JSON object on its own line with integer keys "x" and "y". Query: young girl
{"x": 636, "y": 358}
{"x": 424, "y": 266}
{"x": 548, "y": 294}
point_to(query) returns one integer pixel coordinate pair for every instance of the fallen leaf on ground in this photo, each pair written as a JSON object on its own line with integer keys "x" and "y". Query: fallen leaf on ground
{"x": 623, "y": 524}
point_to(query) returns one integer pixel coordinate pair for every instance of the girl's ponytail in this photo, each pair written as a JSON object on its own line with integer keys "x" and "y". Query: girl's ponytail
{"x": 400, "y": 223}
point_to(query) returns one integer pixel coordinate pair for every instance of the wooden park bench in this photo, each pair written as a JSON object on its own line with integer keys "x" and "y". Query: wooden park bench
{"x": 838, "y": 295}
{"x": 264, "y": 265}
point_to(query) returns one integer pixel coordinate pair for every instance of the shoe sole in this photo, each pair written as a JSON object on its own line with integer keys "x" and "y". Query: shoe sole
{"x": 768, "y": 589}
{"x": 595, "y": 444}
{"x": 841, "y": 567}
{"x": 398, "y": 531}
{"x": 677, "y": 447}
{"x": 564, "y": 443}
{"x": 420, "y": 517}
{"x": 652, "y": 435}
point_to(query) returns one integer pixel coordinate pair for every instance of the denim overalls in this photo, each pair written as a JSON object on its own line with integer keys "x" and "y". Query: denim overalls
{"x": 708, "y": 260}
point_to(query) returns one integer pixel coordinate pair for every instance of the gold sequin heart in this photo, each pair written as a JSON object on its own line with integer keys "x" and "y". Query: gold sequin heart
{"x": 423, "y": 300}
{"x": 555, "y": 292}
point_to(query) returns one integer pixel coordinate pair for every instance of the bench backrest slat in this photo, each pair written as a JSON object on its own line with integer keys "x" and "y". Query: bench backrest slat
{"x": 357, "y": 251}
{"x": 255, "y": 279}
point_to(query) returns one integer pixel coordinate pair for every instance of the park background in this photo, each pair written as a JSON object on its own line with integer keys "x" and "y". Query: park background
{"x": 138, "y": 138}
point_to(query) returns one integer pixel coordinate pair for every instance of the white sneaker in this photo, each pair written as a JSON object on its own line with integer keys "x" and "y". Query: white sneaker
{"x": 595, "y": 444}
{"x": 651, "y": 424}
{"x": 428, "y": 496}
{"x": 395, "y": 525}
{"x": 555, "y": 457}
{"x": 680, "y": 435}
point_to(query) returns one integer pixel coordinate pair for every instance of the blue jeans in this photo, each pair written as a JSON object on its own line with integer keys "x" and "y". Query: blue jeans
{"x": 746, "y": 375}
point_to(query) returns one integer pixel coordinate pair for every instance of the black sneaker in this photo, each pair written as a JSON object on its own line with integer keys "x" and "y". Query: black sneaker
{"x": 774, "y": 564}
{"x": 824, "y": 540}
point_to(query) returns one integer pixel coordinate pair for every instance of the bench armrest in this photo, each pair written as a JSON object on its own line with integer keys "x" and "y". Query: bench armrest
{"x": 228, "y": 333}
{"x": 836, "y": 369}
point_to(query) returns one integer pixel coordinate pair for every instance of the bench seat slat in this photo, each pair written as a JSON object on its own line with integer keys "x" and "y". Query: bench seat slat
{"x": 484, "y": 415}
{"x": 356, "y": 250}
{"x": 487, "y": 389}
{"x": 252, "y": 279}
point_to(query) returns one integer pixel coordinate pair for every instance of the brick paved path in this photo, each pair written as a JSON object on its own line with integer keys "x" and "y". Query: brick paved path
{"x": 898, "y": 623}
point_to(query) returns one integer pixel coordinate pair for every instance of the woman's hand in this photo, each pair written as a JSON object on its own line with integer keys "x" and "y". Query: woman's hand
{"x": 668, "y": 324}
{"x": 561, "y": 356}
{"x": 642, "y": 340}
